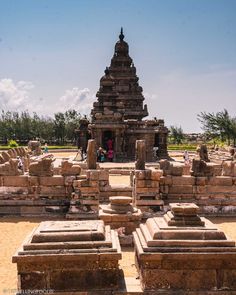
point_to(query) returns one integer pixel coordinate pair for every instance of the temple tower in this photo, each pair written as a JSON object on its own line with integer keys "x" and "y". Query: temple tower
{"x": 118, "y": 112}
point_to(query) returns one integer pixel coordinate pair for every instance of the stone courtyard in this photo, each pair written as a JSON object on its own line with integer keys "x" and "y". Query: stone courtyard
{"x": 140, "y": 227}
{"x": 127, "y": 194}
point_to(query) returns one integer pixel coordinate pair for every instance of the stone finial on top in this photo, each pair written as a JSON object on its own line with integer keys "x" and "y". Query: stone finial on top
{"x": 121, "y": 36}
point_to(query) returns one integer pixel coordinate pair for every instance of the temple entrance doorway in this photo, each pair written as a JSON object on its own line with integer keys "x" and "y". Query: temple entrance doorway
{"x": 108, "y": 140}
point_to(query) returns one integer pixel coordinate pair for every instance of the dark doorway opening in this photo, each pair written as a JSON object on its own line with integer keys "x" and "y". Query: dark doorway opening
{"x": 108, "y": 139}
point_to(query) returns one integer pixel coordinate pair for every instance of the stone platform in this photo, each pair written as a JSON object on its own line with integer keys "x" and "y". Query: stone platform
{"x": 183, "y": 252}
{"x": 121, "y": 213}
{"x": 67, "y": 256}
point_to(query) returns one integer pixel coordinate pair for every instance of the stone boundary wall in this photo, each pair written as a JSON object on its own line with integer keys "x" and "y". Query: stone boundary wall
{"x": 34, "y": 195}
{"x": 215, "y": 194}
{"x": 211, "y": 186}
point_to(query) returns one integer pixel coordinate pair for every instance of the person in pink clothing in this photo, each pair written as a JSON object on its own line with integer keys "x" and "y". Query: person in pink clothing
{"x": 110, "y": 144}
{"x": 110, "y": 155}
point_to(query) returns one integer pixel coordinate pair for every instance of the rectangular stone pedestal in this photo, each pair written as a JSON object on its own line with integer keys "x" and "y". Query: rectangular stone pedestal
{"x": 69, "y": 256}
{"x": 183, "y": 252}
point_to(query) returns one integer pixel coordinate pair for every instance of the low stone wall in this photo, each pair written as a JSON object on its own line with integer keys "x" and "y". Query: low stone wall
{"x": 32, "y": 195}
{"x": 211, "y": 186}
{"x": 214, "y": 195}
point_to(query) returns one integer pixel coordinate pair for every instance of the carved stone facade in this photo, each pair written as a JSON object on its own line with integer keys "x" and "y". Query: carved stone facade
{"x": 118, "y": 112}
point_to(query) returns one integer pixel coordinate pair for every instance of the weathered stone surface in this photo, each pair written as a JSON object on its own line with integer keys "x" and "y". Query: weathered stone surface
{"x": 93, "y": 174}
{"x": 200, "y": 168}
{"x": 19, "y": 180}
{"x": 228, "y": 168}
{"x": 43, "y": 167}
{"x": 140, "y": 152}
{"x": 34, "y": 147}
{"x": 69, "y": 168}
{"x": 182, "y": 252}
{"x": 183, "y": 180}
{"x": 64, "y": 256}
{"x": 203, "y": 153}
{"x": 10, "y": 168}
{"x": 120, "y": 213}
{"x": 91, "y": 154}
{"x": 56, "y": 180}
{"x": 156, "y": 175}
{"x": 5, "y": 156}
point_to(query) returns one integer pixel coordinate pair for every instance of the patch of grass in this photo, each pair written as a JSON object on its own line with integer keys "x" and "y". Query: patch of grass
{"x": 187, "y": 147}
{"x": 50, "y": 147}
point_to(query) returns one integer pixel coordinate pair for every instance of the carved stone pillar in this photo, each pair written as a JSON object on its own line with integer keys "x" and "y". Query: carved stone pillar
{"x": 140, "y": 154}
{"x": 91, "y": 154}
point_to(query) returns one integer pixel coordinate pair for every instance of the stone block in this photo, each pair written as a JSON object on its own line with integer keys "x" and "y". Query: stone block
{"x": 147, "y": 183}
{"x": 146, "y": 190}
{"x": 56, "y": 180}
{"x": 156, "y": 175}
{"x": 93, "y": 174}
{"x": 80, "y": 183}
{"x": 201, "y": 180}
{"x": 104, "y": 175}
{"x": 89, "y": 190}
{"x": 183, "y": 180}
{"x": 186, "y": 170}
{"x": 178, "y": 279}
{"x": 33, "y": 180}
{"x": 21, "y": 180}
{"x": 164, "y": 189}
{"x": 53, "y": 190}
{"x": 33, "y": 280}
{"x": 68, "y": 180}
{"x": 221, "y": 180}
{"x": 221, "y": 189}
{"x": 166, "y": 180}
{"x": 199, "y": 189}
{"x": 143, "y": 174}
{"x": 176, "y": 170}
{"x": 103, "y": 183}
{"x": 181, "y": 189}
{"x": 228, "y": 168}
{"x": 70, "y": 168}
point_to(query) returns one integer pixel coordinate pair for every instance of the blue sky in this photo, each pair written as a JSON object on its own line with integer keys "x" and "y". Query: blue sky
{"x": 53, "y": 53}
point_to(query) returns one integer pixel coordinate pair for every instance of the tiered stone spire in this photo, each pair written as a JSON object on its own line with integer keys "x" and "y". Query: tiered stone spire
{"x": 119, "y": 90}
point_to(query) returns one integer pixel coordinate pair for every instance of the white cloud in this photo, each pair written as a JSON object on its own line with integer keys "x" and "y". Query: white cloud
{"x": 15, "y": 95}
{"x": 78, "y": 99}
{"x": 19, "y": 96}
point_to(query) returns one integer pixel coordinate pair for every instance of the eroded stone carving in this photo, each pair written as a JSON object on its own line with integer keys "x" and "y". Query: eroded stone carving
{"x": 69, "y": 168}
{"x": 42, "y": 167}
{"x": 10, "y": 168}
{"x": 34, "y": 147}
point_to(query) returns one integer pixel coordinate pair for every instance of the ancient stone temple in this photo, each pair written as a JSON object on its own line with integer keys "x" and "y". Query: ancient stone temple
{"x": 117, "y": 115}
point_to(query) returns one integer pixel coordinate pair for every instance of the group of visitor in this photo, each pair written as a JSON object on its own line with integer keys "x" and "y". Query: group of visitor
{"x": 108, "y": 154}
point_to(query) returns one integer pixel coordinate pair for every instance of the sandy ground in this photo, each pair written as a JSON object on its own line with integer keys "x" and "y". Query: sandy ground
{"x": 14, "y": 230}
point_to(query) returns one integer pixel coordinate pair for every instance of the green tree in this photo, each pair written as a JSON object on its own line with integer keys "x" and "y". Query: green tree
{"x": 219, "y": 125}
{"x": 60, "y": 127}
{"x": 72, "y": 121}
{"x": 176, "y": 134}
